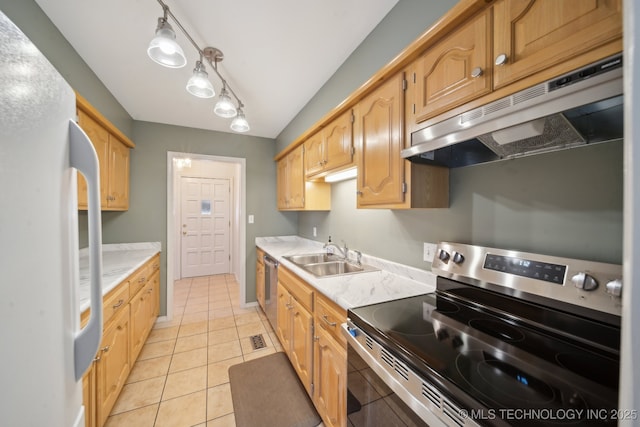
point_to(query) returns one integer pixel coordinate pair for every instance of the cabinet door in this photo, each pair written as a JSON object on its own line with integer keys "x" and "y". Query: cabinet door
{"x": 314, "y": 155}
{"x": 113, "y": 365}
{"x": 283, "y": 322}
{"x": 140, "y": 314}
{"x": 454, "y": 71}
{"x": 99, "y": 137}
{"x": 89, "y": 397}
{"x": 154, "y": 300}
{"x": 302, "y": 343}
{"x": 379, "y": 133}
{"x": 282, "y": 183}
{"x": 260, "y": 284}
{"x": 338, "y": 139}
{"x": 536, "y": 34}
{"x": 118, "y": 174}
{"x": 330, "y": 379}
{"x": 295, "y": 173}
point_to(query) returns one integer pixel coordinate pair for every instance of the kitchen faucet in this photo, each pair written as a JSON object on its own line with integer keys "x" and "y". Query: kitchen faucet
{"x": 344, "y": 251}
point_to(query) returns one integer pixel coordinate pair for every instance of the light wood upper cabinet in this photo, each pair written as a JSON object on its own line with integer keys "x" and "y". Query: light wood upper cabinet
{"x": 290, "y": 177}
{"x": 534, "y": 35}
{"x": 293, "y": 192}
{"x": 113, "y": 150}
{"x": 331, "y": 149}
{"x": 118, "y": 197}
{"x": 455, "y": 70}
{"x": 385, "y": 179}
{"x": 378, "y": 132}
{"x": 314, "y": 160}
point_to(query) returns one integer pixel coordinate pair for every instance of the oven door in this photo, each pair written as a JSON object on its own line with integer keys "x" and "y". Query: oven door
{"x": 382, "y": 391}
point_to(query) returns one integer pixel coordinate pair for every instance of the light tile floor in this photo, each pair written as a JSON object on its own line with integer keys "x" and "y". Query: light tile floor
{"x": 181, "y": 376}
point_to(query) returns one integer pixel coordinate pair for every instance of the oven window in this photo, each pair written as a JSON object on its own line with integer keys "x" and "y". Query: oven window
{"x": 370, "y": 402}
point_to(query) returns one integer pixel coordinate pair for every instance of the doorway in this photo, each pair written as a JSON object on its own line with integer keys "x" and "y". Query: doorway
{"x": 206, "y": 227}
{"x": 205, "y": 166}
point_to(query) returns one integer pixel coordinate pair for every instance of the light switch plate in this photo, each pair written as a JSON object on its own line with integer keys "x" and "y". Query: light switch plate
{"x": 251, "y": 219}
{"x": 315, "y": 232}
{"x": 429, "y": 251}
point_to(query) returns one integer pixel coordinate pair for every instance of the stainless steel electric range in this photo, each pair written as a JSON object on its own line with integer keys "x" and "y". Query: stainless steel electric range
{"x": 508, "y": 338}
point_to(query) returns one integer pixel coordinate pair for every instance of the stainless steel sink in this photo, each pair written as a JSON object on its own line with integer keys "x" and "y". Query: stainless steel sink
{"x": 311, "y": 258}
{"x": 323, "y": 265}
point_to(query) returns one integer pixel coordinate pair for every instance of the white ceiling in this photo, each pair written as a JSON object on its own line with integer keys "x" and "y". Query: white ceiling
{"x": 278, "y": 53}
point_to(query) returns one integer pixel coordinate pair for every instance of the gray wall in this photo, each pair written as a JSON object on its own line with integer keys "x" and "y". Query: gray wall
{"x": 566, "y": 204}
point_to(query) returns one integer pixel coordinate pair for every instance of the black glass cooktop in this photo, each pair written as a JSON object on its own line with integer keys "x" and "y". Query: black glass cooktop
{"x": 499, "y": 361}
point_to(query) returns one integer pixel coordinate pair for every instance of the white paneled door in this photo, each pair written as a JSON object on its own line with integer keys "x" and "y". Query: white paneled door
{"x": 205, "y": 226}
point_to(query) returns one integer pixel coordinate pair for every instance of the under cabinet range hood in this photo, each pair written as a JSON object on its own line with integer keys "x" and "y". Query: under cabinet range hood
{"x": 578, "y": 108}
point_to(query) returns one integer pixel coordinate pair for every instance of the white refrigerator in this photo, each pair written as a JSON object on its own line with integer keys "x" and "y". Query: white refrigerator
{"x": 43, "y": 351}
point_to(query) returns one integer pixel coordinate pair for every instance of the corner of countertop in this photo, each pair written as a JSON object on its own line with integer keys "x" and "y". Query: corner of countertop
{"x": 138, "y": 246}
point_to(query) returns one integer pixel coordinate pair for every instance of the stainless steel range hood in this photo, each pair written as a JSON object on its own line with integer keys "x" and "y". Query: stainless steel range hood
{"x": 572, "y": 110}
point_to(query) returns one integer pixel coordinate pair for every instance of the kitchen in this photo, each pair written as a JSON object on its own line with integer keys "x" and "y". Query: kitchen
{"x": 582, "y": 217}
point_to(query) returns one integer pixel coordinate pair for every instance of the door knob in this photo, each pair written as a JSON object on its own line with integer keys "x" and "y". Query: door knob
{"x": 184, "y": 233}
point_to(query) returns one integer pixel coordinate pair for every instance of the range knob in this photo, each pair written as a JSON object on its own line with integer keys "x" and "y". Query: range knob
{"x": 443, "y": 255}
{"x": 457, "y": 342}
{"x": 584, "y": 281}
{"x": 458, "y": 257}
{"x": 614, "y": 287}
{"x": 442, "y": 334}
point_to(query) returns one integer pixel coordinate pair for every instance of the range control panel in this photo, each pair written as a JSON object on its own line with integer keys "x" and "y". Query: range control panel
{"x": 549, "y": 272}
{"x": 593, "y": 285}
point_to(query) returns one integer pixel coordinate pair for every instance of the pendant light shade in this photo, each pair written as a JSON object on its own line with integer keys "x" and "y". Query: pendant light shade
{"x": 199, "y": 84}
{"x": 224, "y": 107}
{"x": 240, "y": 123}
{"x": 164, "y": 49}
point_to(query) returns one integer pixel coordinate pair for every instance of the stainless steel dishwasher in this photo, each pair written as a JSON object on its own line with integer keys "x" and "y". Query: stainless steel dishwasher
{"x": 270, "y": 289}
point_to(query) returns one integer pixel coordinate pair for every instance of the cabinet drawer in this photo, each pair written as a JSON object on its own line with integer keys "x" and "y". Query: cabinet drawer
{"x": 329, "y": 317}
{"x": 140, "y": 277}
{"x": 115, "y": 301}
{"x": 302, "y": 292}
{"x": 153, "y": 264}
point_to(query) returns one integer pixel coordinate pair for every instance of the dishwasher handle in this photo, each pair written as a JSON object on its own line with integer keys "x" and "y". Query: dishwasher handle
{"x": 271, "y": 261}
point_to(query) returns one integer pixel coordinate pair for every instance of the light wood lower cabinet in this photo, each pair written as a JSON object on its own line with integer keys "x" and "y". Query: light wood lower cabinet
{"x": 308, "y": 327}
{"x": 113, "y": 364}
{"x": 130, "y": 310}
{"x": 294, "y": 327}
{"x": 330, "y": 363}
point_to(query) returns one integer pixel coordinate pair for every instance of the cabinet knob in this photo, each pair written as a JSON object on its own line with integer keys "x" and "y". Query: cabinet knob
{"x": 501, "y": 59}
{"x": 476, "y": 72}
{"x": 359, "y": 193}
{"x": 105, "y": 349}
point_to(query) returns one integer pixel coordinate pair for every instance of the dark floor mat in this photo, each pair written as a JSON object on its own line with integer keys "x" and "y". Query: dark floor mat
{"x": 266, "y": 392}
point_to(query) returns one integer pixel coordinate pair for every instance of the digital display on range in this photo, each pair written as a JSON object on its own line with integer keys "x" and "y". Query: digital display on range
{"x": 545, "y": 271}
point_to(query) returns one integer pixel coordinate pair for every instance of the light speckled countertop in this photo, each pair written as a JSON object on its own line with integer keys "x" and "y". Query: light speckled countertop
{"x": 392, "y": 281}
{"x": 118, "y": 262}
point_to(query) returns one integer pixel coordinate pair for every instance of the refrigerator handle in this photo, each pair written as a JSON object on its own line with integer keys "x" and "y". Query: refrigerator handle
{"x": 83, "y": 157}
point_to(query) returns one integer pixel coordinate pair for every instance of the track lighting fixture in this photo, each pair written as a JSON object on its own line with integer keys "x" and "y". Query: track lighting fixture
{"x": 239, "y": 123}
{"x": 164, "y": 50}
{"x": 224, "y": 107}
{"x": 199, "y": 84}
